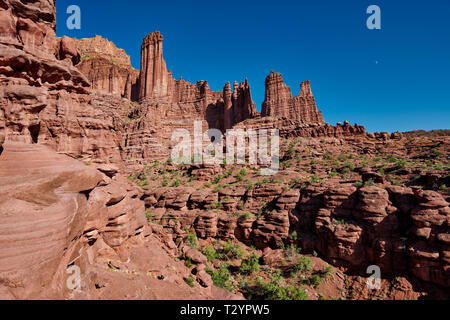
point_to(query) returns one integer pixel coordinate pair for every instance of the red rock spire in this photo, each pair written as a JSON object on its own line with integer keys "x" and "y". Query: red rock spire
{"x": 154, "y": 75}
{"x": 279, "y": 102}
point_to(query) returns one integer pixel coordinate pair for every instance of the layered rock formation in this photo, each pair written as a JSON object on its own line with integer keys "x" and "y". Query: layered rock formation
{"x": 178, "y": 103}
{"x": 44, "y": 98}
{"x": 351, "y": 227}
{"x": 56, "y": 213}
{"x": 220, "y": 109}
{"x": 279, "y": 103}
{"x": 108, "y": 68}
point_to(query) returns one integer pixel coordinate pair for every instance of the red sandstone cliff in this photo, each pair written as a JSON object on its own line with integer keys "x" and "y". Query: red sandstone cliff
{"x": 279, "y": 103}
{"x": 108, "y": 68}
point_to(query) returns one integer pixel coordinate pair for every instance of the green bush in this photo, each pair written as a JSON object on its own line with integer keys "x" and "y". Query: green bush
{"x": 188, "y": 263}
{"x": 339, "y": 222}
{"x": 327, "y": 271}
{"x": 222, "y": 277}
{"x": 275, "y": 290}
{"x": 246, "y": 215}
{"x": 314, "y": 281}
{"x": 294, "y": 235}
{"x": 401, "y": 163}
{"x": 232, "y": 251}
{"x": 190, "y": 281}
{"x": 250, "y": 264}
{"x": 176, "y": 183}
{"x": 191, "y": 240}
{"x": 217, "y": 179}
{"x": 149, "y": 214}
{"x": 211, "y": 253}
{"x": 359, "y": 184}
{"x": 304, "y": 264}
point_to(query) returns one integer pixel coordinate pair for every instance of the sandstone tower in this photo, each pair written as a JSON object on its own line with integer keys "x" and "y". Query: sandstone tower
{"x": 154, "y": 77}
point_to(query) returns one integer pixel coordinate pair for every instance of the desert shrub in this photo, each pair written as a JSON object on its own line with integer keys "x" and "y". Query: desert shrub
{"x": 293, "y": 182}
{"x": 191, "y": 240}
{"x": 188, "y": 263}
{"x": 401, "y": 163}
{"x": 314, "y": 281}
{"x": 250, "y": 264}
{"x": 349, "y": 165}
{"x": 243, "y": 172}
{"x": 216, "y": 205}
{"x": 327, "y": 271}
{"x": 246, "y": 215}
{"x": 291, "y": 251}
{"x": 263, "y": 181}
{"x": 339, "y": 222}
{"x": 314, "y": 179}
{"x": 190, "y": 281}
{"x": 222, "y": 277}
{"x": 294, "y": 235}
{"x": 217, "y": 179}
{"x": 232, "y": 251}
{"x": 176, "y": 183}
{"x": 304, "y": 264}
{"x": 211, "y": 253}
{"x": 275, "y": 290}
{"x": 149, "y": 214}
{"x": 391, "y": 158}
{"x": 359, "y": 184}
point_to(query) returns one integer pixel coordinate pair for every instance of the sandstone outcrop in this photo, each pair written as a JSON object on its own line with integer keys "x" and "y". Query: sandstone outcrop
{"x": 107, "y": 68}
{"x": 279, "y": 103}
{"x": 352, "y": 227}
{"x": 67, "y": 139}
{"x": 56, "y": 212}
{"x": 44, "y": 98}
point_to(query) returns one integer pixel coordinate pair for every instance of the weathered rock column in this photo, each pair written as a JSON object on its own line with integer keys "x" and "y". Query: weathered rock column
{"x": 154, "y": 75}
{"x": 227, "y": 116}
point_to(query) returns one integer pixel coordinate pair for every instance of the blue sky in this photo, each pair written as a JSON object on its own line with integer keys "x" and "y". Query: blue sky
{"x": 396, "y": 78}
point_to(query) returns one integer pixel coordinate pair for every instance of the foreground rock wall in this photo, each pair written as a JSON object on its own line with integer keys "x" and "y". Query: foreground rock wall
{"x": 56, "y": 212}
{"x": 397, "y": 228}
{"x": 43, "y": 97}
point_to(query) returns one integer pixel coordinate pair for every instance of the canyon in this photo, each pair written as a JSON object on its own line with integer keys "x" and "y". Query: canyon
{"x": 86, "y": 181}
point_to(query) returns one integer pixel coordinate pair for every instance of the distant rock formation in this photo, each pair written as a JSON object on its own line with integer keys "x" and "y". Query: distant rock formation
{"x": 220, "y": 109}
{"x": 279, "y": 103}
{"x": 108, "y": 68}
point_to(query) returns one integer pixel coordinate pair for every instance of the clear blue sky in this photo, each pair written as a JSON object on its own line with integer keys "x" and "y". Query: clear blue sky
{"x": 396, "y": 78}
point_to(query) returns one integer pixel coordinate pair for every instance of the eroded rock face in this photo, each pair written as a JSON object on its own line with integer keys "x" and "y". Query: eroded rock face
{"x": 56, "y": 212}
{"x": 44, "y": 98}
{"x": 108, "y": 68}
{"x": 352, "y": 227}
{"x": 279, "y": 103}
